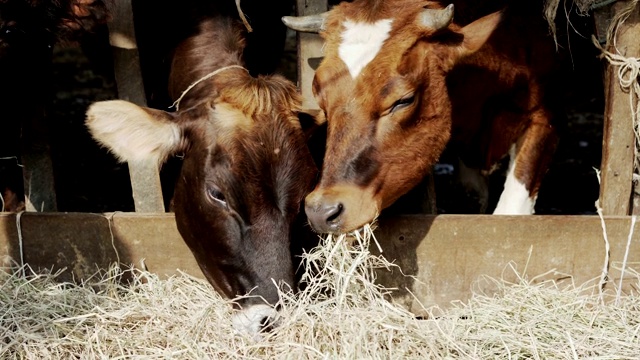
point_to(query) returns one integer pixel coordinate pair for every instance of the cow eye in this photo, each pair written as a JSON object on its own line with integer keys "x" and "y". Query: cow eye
{"x": 403, "y": 102}
{"x": 216, "y": 195}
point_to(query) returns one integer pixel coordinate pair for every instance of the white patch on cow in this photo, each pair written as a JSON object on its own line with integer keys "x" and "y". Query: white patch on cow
{"x": 515, "y": 198}
{"x": 361, "y": 42}
{"x": 250, "y": 321}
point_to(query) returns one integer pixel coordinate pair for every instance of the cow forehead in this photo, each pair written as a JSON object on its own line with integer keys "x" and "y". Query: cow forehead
{"x": 248, "y": 144}
{"x": 361, "y": 42}
{"x": 229, "y": 120}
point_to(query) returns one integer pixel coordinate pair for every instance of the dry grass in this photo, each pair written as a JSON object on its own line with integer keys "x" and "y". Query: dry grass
{"x": 340, "y": 314}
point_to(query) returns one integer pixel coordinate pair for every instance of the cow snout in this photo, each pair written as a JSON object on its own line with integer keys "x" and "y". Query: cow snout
{"x": 254, "y": 320}
{"x": 324, "y": 216}
{"x": 340, "y": 209}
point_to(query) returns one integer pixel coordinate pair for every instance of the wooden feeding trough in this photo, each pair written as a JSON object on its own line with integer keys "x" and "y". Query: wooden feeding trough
{"x": 445, "y": 254}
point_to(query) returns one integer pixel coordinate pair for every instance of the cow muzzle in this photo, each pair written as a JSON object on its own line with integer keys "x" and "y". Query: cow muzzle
{"x": 340, "y": 209}
{"x": 254, "y": 320}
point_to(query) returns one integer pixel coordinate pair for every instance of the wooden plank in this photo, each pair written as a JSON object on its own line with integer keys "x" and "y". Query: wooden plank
{"x": 618, "y": 137}
{"x": 82, "y": 243}
{"x": 145, "y": 178}
{"x": 37, "y": 171}
{"x": 309, "y": 51}
{"x": 446, "y": 254}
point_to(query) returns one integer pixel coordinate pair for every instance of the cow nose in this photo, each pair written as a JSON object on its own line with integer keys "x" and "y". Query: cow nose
{"x": 255, "y": 320}
{"x": 325, "y": 217}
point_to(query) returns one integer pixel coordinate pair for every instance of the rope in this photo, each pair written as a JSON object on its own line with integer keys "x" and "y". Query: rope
{"x": 626, "y": 258}
{"x": 20, "y": 246}
{"x": 113, "y": 238}
{"x": 176, "y": 103}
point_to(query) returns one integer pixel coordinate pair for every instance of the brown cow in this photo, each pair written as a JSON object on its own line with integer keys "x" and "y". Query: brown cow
{"x": 400, "y": 82}
{"x": 246, "y": 168}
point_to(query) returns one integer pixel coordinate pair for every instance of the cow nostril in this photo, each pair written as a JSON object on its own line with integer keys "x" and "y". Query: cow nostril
{"x": 266, "y": 324}
{"x": 334, "y": 213}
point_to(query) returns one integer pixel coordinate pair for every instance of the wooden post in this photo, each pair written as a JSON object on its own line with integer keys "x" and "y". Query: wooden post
{"x": 39, "y": 189}
{"x": 618, "y": 148}
{"x": 309, "y": 51}
{"x": 145, "y": 178}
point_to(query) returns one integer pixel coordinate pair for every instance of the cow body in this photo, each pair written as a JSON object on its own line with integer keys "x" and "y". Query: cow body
{"x": 246, "y": 167}
{"x": 400, "y": 82}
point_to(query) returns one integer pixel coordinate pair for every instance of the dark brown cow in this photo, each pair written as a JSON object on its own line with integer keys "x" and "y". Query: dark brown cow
{"x": 400, "y": 81}
{"x": 246, "y": 168}
{"x": 28, "y": 31}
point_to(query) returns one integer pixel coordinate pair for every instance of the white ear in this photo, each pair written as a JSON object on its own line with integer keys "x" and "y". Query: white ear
{"x": 133, "y": 133}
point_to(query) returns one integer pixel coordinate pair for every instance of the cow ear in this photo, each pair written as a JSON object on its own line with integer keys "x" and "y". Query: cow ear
{"x": 134, "y": 133}
{"x": 477, "y": 33}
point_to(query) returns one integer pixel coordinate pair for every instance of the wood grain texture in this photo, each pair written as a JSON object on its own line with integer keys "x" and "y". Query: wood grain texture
{"x": 442, "y": 257}
{"x": 618, "y": 137}
{"x": 309, "y": 51}
{"x": 145, "y": 178}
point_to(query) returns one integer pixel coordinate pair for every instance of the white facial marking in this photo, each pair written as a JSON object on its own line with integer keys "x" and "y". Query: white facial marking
{"x": 249, "y": 321}
{"x": 361, "y": 42}
{"x": 515, "y": 198}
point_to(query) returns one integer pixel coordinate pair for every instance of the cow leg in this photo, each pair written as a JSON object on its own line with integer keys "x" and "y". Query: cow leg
{"x": 528, "y": 162}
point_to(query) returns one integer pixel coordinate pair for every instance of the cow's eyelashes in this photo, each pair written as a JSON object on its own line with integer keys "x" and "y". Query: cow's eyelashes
{"x": 214, "y": 193}
{"x": 403, "y": 102}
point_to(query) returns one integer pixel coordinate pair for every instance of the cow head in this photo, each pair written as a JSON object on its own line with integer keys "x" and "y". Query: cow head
{"x": 382, "y": 88}
{"x": 246, "y": 169}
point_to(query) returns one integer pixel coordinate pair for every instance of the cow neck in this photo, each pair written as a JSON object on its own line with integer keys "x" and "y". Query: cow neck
{"x": 176, "y": 103}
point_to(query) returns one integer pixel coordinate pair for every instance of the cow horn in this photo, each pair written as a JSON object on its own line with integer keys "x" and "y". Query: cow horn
{"x": 308, "y": 23}
{"x": 437, "y": 19}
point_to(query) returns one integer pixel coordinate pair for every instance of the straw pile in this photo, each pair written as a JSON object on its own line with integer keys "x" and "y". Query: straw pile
{"x": 340, "y": 314}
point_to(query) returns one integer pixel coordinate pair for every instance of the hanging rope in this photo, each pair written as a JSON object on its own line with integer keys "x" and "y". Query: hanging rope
{"x": 176, "y": 103}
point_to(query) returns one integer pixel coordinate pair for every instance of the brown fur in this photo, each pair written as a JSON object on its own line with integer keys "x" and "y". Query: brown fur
{"x": 246, "y": 167}
{"x": 457, "y": 76}
{"x": 244, "y": 138}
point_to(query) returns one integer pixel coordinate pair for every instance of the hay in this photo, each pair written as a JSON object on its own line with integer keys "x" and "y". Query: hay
{"x": 340, "y": 313}
{"x": 550, "y": 11}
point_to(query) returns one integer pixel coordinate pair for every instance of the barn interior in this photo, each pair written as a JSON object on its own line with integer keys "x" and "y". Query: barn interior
{"x": 448, "y": 253}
